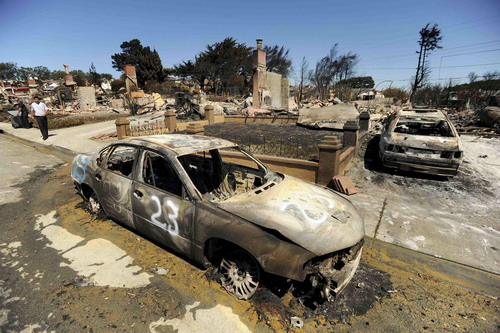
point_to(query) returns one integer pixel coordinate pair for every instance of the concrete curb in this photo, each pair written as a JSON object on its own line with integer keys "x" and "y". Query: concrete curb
{"x": 461, "y": 275}
{"x": 64, "y": 154}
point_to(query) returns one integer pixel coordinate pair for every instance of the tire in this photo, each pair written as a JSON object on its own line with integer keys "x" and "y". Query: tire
{"x": 239, "y": 274}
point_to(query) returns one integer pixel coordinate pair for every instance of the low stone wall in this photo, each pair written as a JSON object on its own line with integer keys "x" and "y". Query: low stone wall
{"x": 305, "y": 170}
{"x": 262, "y": 119}
{"x": 335, "y": 157}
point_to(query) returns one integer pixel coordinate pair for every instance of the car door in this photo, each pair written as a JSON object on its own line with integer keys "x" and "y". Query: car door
{"x": 161, "y": 207}
{"x": 113, "y": 183}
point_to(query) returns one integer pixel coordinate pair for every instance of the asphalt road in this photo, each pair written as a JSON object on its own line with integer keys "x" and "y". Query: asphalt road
{"x": 62, "y": 270}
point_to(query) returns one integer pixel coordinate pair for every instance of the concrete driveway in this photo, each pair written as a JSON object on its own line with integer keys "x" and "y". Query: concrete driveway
{"x": 455, "y": 219}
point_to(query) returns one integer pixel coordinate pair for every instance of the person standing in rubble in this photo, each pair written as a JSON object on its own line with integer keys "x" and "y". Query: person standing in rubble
{"x": 41, "y": 110}
{"x": 23, "y": 111}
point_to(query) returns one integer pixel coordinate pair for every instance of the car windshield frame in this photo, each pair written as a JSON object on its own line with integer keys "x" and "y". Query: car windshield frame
{"x": 269, "y": 174}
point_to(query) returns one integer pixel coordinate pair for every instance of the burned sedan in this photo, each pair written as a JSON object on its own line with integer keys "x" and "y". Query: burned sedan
{"x": 421, "y": 140}
{"x": 210, "y": 200}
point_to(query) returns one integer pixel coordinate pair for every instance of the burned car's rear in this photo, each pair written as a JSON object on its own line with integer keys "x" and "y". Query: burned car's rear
{"x": 216, "y": 204}
{"x": 421, "y": 140}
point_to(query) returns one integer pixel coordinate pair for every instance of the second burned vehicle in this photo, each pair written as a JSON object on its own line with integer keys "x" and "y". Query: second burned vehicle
{"x": 213, "y": 202}
{"x": 421, "y": 140}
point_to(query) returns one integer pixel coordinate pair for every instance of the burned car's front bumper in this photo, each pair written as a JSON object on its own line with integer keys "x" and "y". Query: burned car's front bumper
{"x": 431, "y": 164}
{"x": 330, "y": 274}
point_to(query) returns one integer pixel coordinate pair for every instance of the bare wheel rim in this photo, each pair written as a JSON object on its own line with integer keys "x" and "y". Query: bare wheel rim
{"x": 94, "y": 204}
{"x": 240, "y": 274}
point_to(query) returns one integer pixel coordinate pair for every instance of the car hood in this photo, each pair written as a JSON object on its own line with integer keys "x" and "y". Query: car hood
{"x": 309, "y": 215}
{"x": 425, "y": 142}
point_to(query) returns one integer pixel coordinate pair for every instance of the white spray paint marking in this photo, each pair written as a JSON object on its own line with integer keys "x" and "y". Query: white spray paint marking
{"x": 100, "y": 260}
{"x": 217, "y": 319}
{"x": 312, "y": 219}
{"x": 171, "y": 226}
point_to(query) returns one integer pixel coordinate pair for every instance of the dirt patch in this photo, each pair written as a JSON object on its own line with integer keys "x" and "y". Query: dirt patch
{"x": 273, "y": 139}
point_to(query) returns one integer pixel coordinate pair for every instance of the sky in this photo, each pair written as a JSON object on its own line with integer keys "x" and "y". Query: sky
{"x": 383, "y": 33}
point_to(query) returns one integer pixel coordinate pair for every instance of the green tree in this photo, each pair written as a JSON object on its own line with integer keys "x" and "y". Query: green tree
{"x": 146, "y": 61}
{"x": 8, "y": 71}
{"x": 277, "y": 60}
{"x": 358, "y": 82}
{"x": 41, "y": 72}
{"x": 57, "y": 75}
{"x": 80, "y": 77}
{"x": 223, "y": 64}
{"x": 24, "y": 73}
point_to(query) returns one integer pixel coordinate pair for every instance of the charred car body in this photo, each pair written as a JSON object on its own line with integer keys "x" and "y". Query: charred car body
{"x": 421, "y": 140}
{"x": 215, "y": 203}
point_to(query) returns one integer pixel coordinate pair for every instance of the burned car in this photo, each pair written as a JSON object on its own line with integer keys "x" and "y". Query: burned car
{"x": 421, "y": 140}
{"x": 215, "y": 203}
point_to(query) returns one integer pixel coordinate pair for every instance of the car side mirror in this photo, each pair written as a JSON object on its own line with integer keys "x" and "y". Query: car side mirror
{"x": 99, "y": 161}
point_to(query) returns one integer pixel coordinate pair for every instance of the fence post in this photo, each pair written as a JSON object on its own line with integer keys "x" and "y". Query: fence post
{"x": 195, "y": 128}
{"x": 351, "y": 128}
{"x": 209, "y": 114}
{"x": 122, "y": 127}
{"x": 170, "y": 121}
{"x": 329, "y": 159}
{"x": 364, "y": 121}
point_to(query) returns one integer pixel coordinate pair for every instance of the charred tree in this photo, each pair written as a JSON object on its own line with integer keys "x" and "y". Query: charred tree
{"x": 430, "y": 37}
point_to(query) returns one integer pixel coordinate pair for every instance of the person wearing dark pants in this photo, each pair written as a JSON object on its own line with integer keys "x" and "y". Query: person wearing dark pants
{"x": 41, "y": 110}
{"x": 23, "y": 111}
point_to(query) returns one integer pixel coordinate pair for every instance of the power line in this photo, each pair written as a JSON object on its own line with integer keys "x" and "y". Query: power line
{"x": 438, "y": 53}
{"x": 459, "y": 54}
{"x": 476, "y": 65}
{"x": 442, "y": 28}
{"x": 475, "y": 44}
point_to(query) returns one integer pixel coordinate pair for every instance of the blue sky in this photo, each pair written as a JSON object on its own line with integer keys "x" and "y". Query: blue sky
{"x": 383, "y": 33}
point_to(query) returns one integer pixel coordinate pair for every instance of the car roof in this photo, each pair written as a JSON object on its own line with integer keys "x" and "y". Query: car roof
{"x": 182, "y": 144}
{"x": 419, "y": 113}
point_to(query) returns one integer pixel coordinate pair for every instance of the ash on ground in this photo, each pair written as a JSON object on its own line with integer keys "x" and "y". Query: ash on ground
{"x": 367, "y": 287}
{"x": 273, "y": 139}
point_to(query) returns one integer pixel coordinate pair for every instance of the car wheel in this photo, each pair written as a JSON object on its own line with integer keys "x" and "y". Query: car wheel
{"x": 239, "y": 274}
{"x": 93, "y": 204}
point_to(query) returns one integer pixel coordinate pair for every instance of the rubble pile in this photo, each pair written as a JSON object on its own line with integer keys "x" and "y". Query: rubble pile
{"x": 329, "y": 117}
{"x": 485, "y": 122}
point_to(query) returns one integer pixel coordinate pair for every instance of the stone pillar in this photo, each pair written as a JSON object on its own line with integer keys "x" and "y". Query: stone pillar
{"x": 86, "y": 98}
{"x": 351, "y": 128}
{"x": 364, "y": 121}
{"x": 195, "y": 128}
{"x": 209, "y": 114}
{"x": 170, "y": 120}
{"x": 130, "y": 78}
{"x": 285, "y": 93}
{"x": 329, "y": 159}
{"x": 259, "y": 73}
{"x": 122, "y": 127}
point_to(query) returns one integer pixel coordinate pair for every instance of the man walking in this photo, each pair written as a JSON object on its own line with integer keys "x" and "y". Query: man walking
{"x": 23, "y": 111}
{"x": 41, "y": 110}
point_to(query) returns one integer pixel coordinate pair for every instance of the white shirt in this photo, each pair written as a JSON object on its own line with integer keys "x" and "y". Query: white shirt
{"x": 40, "y": 109}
